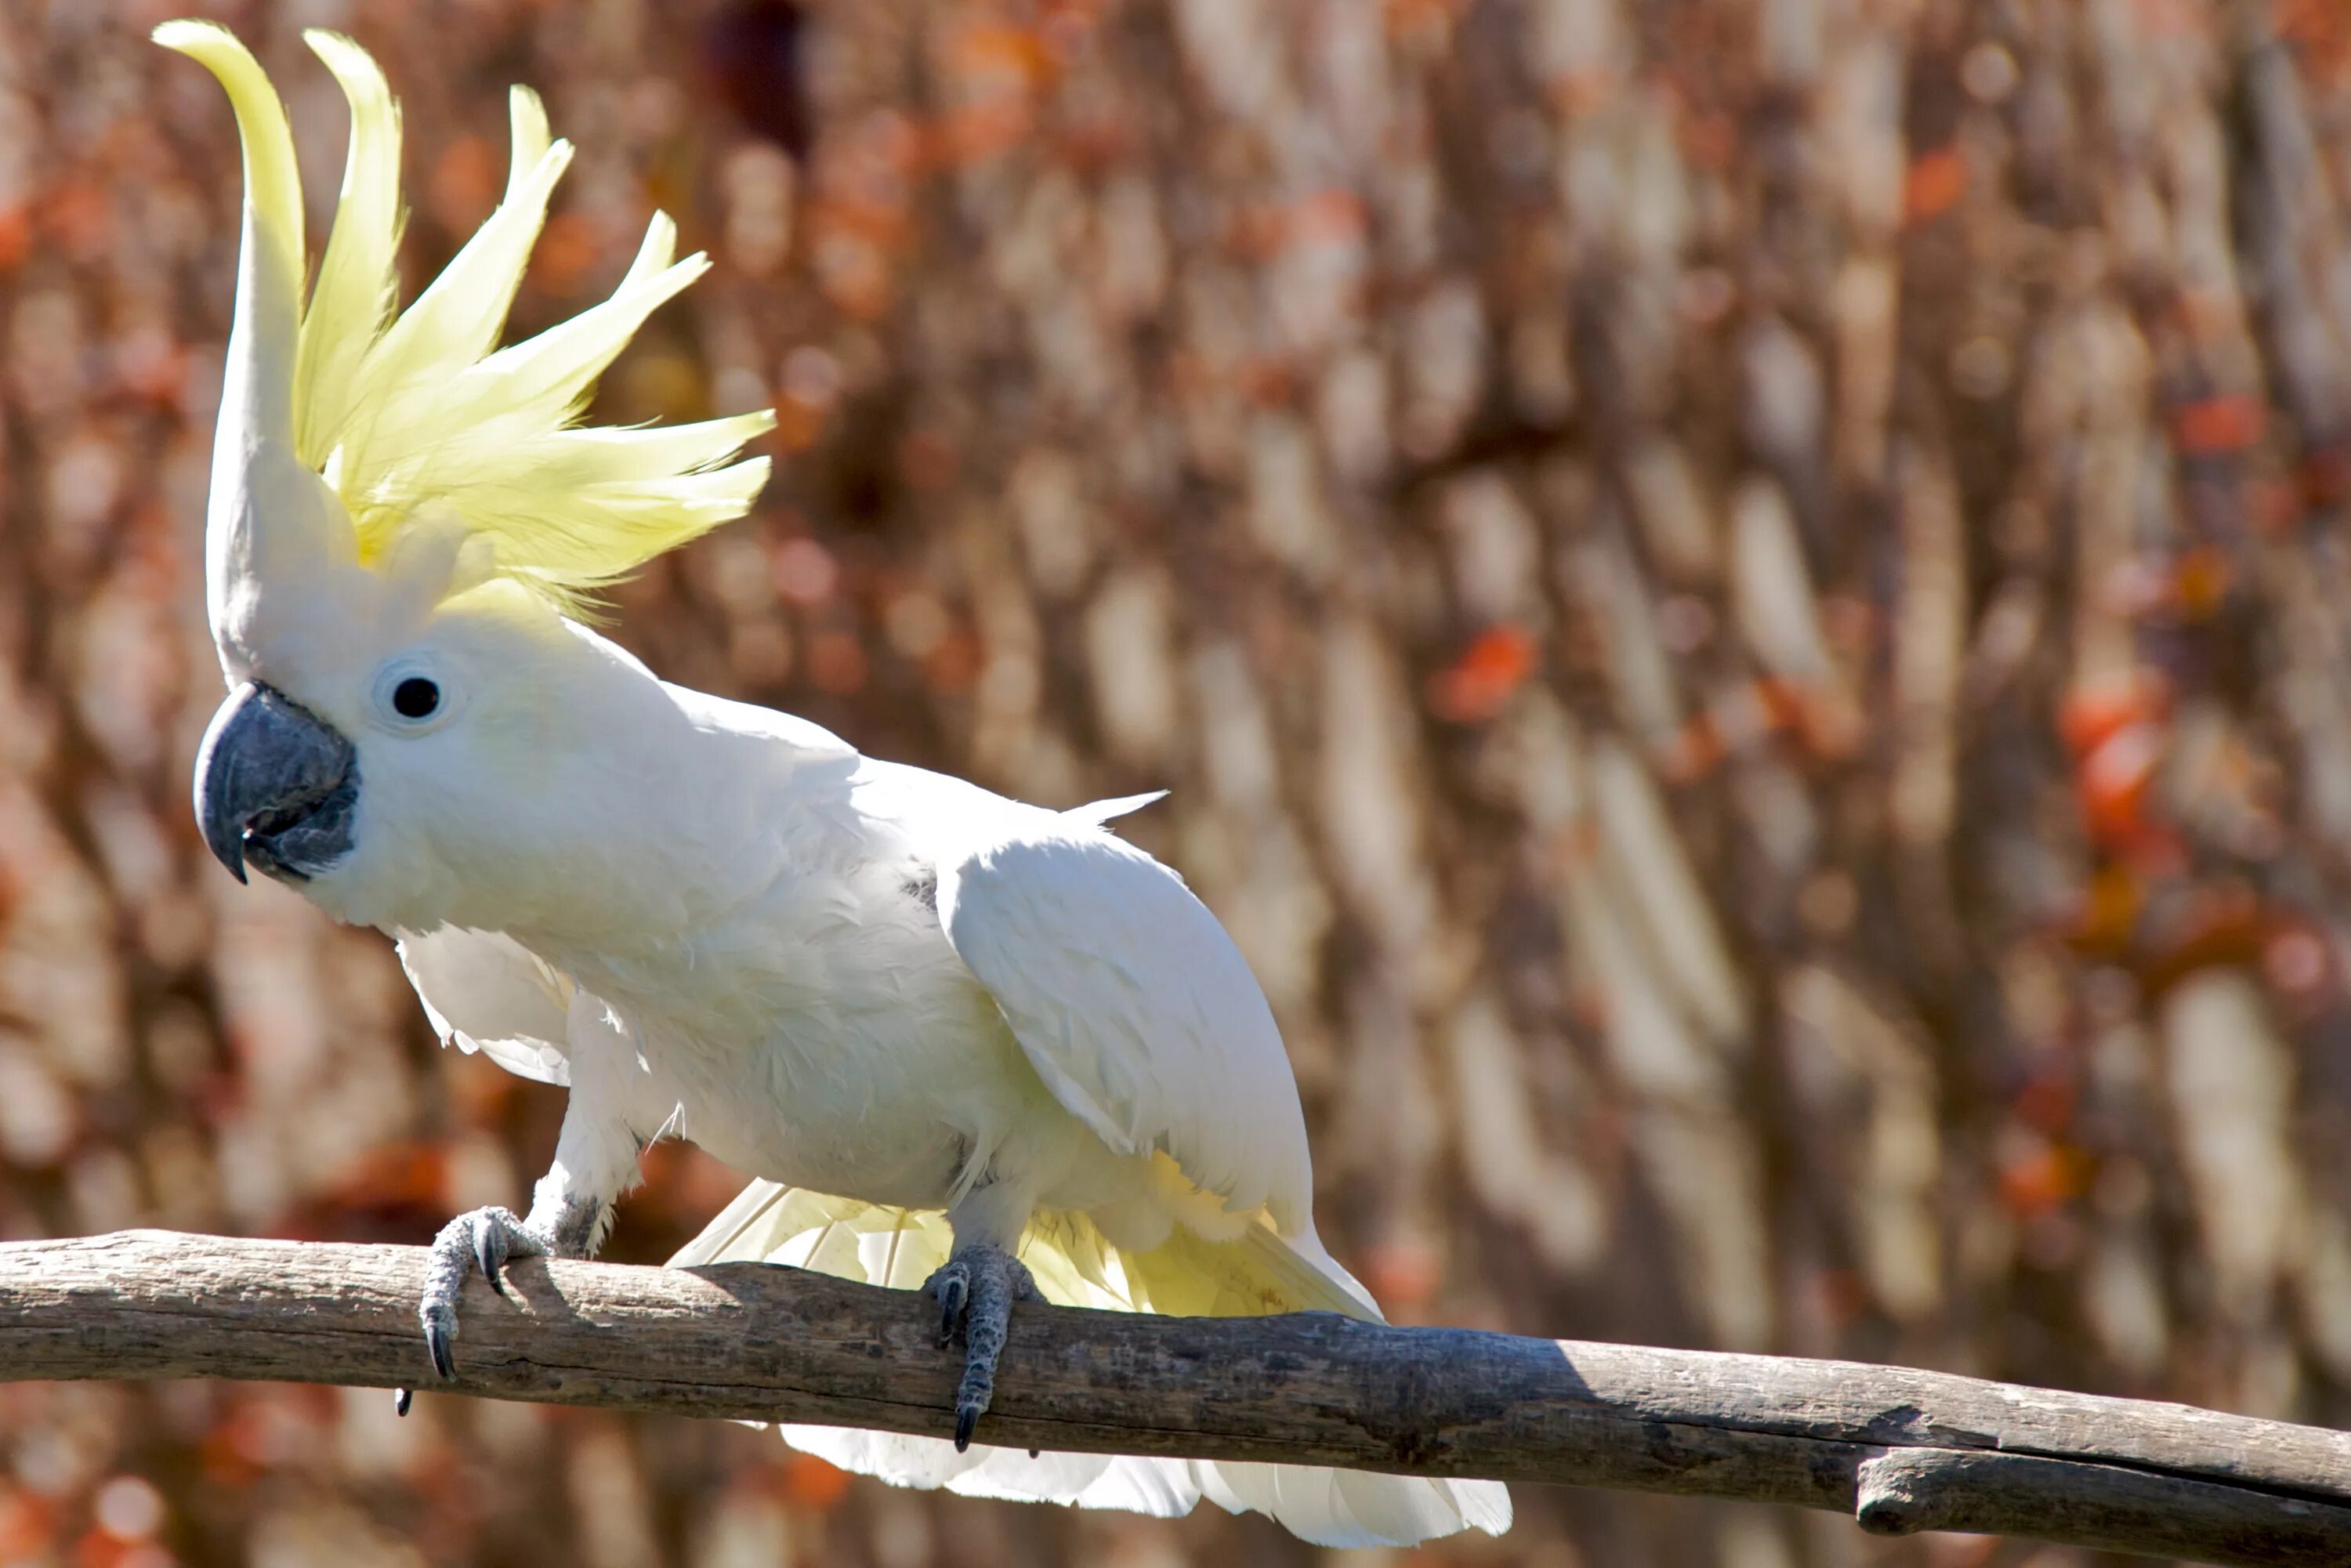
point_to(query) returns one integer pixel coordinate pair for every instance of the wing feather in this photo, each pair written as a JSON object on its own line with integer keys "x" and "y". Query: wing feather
{"x": 484, "y": 992}
{"x": 1133, "y": 1005}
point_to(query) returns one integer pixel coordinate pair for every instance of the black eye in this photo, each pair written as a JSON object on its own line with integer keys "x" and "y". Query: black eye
{"x": 415, "y": 697}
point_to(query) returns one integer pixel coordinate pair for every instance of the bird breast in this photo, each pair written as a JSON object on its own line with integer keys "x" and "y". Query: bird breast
{"x": 826, "y": 1036}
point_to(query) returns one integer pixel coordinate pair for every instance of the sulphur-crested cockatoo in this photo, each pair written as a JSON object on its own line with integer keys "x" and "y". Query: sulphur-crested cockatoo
{"x": 963, "y": 1042}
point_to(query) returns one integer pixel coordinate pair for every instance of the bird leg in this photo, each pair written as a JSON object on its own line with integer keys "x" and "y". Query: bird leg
{"x": 975, "y": 1288}
{"x": 558, "y": 1227}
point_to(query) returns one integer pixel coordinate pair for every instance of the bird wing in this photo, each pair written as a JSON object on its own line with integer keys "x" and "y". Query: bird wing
{"x": 1131, "y": 1003}
{"x": 485, "y": 991}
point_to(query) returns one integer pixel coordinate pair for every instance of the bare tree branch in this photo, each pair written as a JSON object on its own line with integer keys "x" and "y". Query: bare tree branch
{"x": 1900, "y": 1450}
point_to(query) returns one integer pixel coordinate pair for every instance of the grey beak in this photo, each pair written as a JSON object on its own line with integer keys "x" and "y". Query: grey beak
{"x": 275, "y": 785}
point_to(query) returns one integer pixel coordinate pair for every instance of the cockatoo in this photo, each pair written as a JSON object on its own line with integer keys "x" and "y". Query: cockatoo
{"x": 963, "y": 1043}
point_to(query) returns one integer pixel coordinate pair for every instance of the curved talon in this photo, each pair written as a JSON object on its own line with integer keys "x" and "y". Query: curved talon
{"x": 975, "y": 1392}
{"x": 490, "y": 1250}
{"x": 401, "y": 1399}
{"x": 952, "y": 1285}
{"x": 439, "y": 1339}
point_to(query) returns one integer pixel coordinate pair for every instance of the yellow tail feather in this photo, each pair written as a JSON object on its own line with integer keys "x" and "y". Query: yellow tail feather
{"x": 1257, "y": 1274}
{"x": 1254, "y": 1273}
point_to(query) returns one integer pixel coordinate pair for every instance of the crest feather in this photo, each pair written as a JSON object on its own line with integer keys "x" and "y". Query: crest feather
{"x": 416, "y": 417}
{"x": 355, "y": 294}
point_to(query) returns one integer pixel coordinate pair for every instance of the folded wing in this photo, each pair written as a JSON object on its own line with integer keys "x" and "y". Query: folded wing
{"x": 1133, "y": 1006}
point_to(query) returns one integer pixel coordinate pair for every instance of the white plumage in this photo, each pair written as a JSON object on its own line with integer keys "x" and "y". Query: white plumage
{"x": 923, "y": 1016}
{"x": 958, "y": 989}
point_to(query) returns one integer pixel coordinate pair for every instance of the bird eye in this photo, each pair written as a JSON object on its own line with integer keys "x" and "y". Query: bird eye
{"x": 415, "y": 697}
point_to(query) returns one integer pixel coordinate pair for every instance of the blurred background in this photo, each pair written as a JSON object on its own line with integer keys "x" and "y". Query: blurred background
{"x": 1746, "y": 603}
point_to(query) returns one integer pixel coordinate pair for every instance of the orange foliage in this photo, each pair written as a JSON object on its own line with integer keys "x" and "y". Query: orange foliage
{"x": 979, "y": 132}
{"x": 798, "y": 423}
{"x": 1574, "y": 94}
{"x": 1708, "y": 141}
{"x": 1843, "y": 1296}
{"x": 567, "y": 250}
{"x": 464, "y": 185}
{"x": 993, "y": 49}
{"x": 2112, "y": 781}
{"x": 26, "y": 1523}
{"x": 79, "y": 218}
{"x": 2325, "y": 477}
{"x": 2089, "y": 715}
{"x": 1335, "y": 214}
{"x": 1404, "y": 18}
{"x": 1934, "y": 185}
{"x": 952, "y": 664}
{"x": 928, "y": 459}
{"x": 2217, "y": 426}
{"x": 2225, "y": 925}
{"x": 2109, "y": 910}
{"x": 812, "y": 1484}
{"x": 2199, "y": 581}
{"x": 1695, "y": 752}
{"x": 2047, "y": 1179}
{"x": 2047, "y": 1104}
{"x": 1403, "y": 1275}
{"x": 1478, "y": 685}
{"x": 2320, "y": 31}
{"x": 408, "y": 1173}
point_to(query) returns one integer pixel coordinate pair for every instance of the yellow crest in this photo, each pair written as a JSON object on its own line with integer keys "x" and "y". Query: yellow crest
{"x": 415, "y": 418}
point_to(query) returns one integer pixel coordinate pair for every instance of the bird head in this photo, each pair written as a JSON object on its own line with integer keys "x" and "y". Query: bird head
{"x": 406, "y": 519}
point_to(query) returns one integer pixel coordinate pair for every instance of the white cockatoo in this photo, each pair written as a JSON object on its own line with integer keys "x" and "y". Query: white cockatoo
{"x": 963, "y": 1043}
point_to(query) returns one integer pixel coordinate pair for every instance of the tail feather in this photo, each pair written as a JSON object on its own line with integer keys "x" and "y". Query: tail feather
{"x": 1258, "y": 1273}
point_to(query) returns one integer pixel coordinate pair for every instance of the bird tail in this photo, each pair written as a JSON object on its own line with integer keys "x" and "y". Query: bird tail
{"x": 1254, "y": 1275}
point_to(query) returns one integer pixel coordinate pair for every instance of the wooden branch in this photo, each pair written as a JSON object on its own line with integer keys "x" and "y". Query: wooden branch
{"x": 1899, "y": 1450}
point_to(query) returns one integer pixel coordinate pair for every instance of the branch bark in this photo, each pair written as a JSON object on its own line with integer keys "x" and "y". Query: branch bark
{"x": 1897, "y": 1449}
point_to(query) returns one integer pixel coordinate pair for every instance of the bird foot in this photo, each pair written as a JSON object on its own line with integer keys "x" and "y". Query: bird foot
{"x": 975, "y": 1288}
{"x": 484, "y": 1240}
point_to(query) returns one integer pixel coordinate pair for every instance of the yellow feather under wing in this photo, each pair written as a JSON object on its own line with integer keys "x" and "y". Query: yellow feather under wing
{"x": 1252, "y": 1274}
{"x": 1256, "y": 1275}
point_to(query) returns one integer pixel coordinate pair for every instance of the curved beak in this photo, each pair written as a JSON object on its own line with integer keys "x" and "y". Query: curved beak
{"x": 275, "y": 785}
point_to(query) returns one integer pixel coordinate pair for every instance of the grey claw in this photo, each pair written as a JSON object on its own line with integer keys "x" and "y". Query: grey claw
{"x": 438, "y": 1340}
{"x": 490, "y": 1252}
{"x": 401, "y": 1399}
{"x": 966, "y": 1418}
{"x": 954, "y": 1294}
